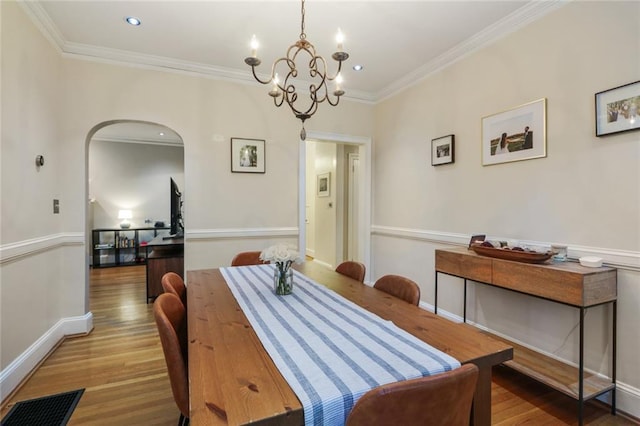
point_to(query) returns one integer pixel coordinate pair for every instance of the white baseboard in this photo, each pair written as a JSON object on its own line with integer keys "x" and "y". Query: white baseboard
{"x": 25, "y": 363}
{"x": 628, "y": 399}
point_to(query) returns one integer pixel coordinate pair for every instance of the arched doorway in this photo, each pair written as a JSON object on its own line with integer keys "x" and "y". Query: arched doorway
{"x": 129, "y": 164}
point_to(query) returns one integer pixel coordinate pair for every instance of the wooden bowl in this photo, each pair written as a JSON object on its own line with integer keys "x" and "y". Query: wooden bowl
{"x": 515, "y": 255}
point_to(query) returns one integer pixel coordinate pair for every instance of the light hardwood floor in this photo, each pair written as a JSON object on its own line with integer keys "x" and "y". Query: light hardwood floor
{"x": 120, "y": 363}
{"x": 121, "y": 366}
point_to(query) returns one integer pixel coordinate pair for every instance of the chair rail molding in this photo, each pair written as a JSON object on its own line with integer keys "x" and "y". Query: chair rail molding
{"x": 13, "y": 251}
{"x": 622, "y": 259}
{"x": 241, "y": 233}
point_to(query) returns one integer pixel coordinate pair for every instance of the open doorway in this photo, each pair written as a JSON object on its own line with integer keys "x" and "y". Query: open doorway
{"x": 335, "y": 203}
{"x": 130, "y": 166}
{"x": 331, "y": 201}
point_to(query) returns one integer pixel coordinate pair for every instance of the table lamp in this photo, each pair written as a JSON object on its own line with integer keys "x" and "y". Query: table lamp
{"x": 125, "y": 215}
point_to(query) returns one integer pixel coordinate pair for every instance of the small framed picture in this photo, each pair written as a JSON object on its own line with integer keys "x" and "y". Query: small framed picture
{"x": 442, "y": 150}
{"x": 477, "y": 238}
{"x": 617, "y": 109}
{"x": 324, "y": 184}
{"x": 517, "y": 134}
{"x": 247, "y": 155}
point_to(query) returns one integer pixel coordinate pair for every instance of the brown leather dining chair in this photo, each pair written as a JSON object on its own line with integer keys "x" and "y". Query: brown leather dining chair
{"x": 441, "y": 399}
{"x": 171, "y": 320}
{"x": 247, "y": 258}
{"x": 353, "y": 269}
{"x": 400, "y": 287}
{"x": 174, "y": 284}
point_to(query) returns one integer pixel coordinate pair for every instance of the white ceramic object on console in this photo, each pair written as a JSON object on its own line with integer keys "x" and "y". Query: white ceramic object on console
{"x": 591, "y": 261}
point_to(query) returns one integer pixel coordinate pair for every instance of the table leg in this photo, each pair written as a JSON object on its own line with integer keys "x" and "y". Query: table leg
{"x": 481, "y": 409}
{"x": 464, "y": 307}
{"x": 614, "y": 354}
{"x": 436, "y": 295}
{"x": 581, "y": 371}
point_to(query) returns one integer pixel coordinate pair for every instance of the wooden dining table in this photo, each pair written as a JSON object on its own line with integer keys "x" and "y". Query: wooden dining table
{"x": 233, "y": 381}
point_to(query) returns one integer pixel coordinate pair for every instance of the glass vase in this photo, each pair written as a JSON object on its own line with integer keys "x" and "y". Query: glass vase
{"x": 283, "y": 281}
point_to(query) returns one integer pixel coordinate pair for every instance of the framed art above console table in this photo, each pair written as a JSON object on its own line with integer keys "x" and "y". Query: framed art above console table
{"x": 617, "y": 109}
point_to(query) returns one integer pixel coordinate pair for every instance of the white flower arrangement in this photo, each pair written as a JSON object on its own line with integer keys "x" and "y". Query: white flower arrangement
{"x": 281, "y": 254}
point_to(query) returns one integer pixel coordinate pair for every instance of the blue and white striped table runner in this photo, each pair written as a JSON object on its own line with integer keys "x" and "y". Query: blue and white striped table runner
{"x": 330, "y": 350}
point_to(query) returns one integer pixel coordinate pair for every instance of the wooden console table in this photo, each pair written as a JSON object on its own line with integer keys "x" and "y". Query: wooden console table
{"x": 567, "y": 283}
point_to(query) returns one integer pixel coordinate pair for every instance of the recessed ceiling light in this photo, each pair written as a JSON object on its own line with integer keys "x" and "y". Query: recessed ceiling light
{"x": 358, "y": 67}
{"x": 131, "y": 20}
{"x": 161, "y": 133}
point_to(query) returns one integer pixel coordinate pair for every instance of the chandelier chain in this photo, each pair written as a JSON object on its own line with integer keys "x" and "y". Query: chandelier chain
{"x": 302, "y": 34}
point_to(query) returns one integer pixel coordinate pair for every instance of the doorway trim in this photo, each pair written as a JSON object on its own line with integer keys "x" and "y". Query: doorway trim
{"x": 353, "y": 160}
{"x": 364, "y": 213}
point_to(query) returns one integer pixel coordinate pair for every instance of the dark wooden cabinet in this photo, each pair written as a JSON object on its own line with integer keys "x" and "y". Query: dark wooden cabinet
{"x": 163, "y": 256}
{"x": 121, "y": 246}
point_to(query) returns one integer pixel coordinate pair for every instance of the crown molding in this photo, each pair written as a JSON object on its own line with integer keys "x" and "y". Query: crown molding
{"x": 43, "y": 22}
{"x": 523, "y": 16}
{"x": 528, "y": 13}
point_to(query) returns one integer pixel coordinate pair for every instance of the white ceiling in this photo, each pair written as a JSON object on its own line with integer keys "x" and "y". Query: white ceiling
{"x": 397, "y": 42}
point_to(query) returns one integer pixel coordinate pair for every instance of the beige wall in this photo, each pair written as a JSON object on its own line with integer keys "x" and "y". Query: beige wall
{"x": 30, "y": 127}
{"x": 41, "y": 260}
{"x": 32, "y": 297}
{"x": 132, "y": 176}
{"x": 585, "y": 193}
{"x": 566, "y": 58}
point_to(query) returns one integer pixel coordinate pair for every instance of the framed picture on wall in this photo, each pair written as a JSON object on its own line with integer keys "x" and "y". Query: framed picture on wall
{"x": 247, "y": 155}
{"x": 442, "y": 150}
{"x": 517, "y": 134}
{"x": 324, "y": 184}
{"x": 617, "y": 109}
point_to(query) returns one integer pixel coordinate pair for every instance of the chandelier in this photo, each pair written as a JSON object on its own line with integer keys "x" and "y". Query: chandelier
{"x": 285, "y": 90}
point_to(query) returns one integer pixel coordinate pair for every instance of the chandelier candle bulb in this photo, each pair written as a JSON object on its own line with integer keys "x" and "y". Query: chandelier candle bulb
{"x": 338, "y": 91}
{"x": 340, "y": 40}
{"x": 274, "y": 92}
{"x": 254, "y": 46}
